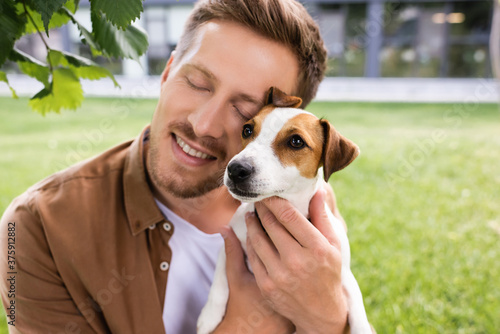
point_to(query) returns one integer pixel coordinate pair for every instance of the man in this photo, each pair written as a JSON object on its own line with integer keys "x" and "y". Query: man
{"x": 127, "y": 242}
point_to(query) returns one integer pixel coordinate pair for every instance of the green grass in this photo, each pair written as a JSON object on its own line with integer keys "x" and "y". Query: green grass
{"x": 422, "y": 202}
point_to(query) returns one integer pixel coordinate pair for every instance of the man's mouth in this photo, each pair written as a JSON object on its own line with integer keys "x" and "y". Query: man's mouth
{"x": 191, "y": 151}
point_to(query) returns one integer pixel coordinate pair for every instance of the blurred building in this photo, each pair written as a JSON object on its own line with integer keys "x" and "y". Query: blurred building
{"x": 407, "y": 38}
{"x": 365, "y": 38}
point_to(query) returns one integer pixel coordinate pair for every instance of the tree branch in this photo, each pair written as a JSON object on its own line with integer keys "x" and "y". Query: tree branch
{"x": 47, "y": 47}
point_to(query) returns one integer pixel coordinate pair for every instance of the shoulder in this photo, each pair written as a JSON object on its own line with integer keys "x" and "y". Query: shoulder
{"x": 69, "y": 191}
{"x": 100, "y": 167}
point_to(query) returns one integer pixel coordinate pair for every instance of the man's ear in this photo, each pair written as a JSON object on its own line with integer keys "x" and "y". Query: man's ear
{"x": 166, "y": 70}
{"x": 282, "y": 100}
{"x": 338, "y": 151}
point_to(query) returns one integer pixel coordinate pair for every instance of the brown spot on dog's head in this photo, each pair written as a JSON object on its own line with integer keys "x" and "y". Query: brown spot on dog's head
{"x": 255, "y": 124}
{"x": 280, "y": 99}
{"x": 300, "y": 143}
{"x": 338, "y": 151}
{"x": 275, "y": 99}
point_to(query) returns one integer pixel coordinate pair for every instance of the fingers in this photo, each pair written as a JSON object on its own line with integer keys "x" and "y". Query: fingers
{"x": 279, "y": 215}
{"x": 260, "y": 247}
{"x": 320, "y": 219}
{"x": 245, "y": 298}
{"x": 281, "y": 238}
{"x": 258, "y": 267}
{"x": 235, "y": 259}
{"x": 284, "y": 222}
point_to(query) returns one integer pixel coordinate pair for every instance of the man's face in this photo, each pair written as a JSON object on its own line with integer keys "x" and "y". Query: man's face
{"x": 206, "y": 97}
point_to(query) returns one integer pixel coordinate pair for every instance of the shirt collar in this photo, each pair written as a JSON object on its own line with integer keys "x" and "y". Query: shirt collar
{"x": 140, "y": 206}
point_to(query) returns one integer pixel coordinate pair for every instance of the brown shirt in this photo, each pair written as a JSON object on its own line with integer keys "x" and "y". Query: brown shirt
{"x": 86, "y": 254}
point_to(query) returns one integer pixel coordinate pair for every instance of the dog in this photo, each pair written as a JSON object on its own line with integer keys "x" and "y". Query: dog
{"x": 287, "y": 152}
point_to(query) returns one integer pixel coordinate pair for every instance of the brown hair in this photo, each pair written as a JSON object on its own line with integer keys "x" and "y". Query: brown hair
{"x": 284, "y": 21}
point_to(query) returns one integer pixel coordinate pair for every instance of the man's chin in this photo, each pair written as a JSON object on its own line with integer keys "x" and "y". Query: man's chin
{"x": 190, "y": 192}
{"x": 183, "y": 188}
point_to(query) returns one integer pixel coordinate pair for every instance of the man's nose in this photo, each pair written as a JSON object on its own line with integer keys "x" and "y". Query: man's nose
{"x": 209, "y": 119}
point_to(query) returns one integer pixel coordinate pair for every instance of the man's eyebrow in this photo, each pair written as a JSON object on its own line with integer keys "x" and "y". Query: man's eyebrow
{"x": 210, "y": 75}
{"x": 201, "y": 69}
{"x": 248, "y": 98}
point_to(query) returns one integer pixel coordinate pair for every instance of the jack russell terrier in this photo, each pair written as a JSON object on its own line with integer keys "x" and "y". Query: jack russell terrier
{"x": 284, "y": 150}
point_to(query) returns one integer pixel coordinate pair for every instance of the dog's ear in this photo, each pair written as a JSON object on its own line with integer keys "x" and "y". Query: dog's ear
{"x": 338, "y": 151}
{"x": 282, "y": 100}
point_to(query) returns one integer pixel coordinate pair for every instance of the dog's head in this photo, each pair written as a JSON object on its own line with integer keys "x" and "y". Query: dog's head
{"x": 283, "y": 149}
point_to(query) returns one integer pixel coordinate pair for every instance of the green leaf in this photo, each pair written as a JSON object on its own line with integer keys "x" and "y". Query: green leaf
{"x": 11, "y": 28}
{"x": 47, "y": 8}
{"x": 43, "y": 93}
{"x": 72, "y": 5}
{"x": 87, "y": 37}
{"x": 31, "y": 66}
{"x": 58, "y": 19}
{"x": 82, "y": 67}
{"x": 119, "y": 12}
{"x": 107, "y": 39}
{"x": 18, "y": 55}
{"x": 94, "y": 73}
{"x": 65, "y": 92}
{"x": 3, "y": 77}
{"x": 129, "y": 43}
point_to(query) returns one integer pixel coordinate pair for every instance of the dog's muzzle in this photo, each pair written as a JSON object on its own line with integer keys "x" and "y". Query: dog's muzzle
{"x": 239, "y": 180}
{"x": 239, "y": 171}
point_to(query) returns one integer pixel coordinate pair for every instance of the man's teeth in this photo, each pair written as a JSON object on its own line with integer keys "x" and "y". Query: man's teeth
{"x": 191, "y": 151}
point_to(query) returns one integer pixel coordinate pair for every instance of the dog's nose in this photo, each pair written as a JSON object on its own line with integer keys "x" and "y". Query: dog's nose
{"x": 239, "y": 171}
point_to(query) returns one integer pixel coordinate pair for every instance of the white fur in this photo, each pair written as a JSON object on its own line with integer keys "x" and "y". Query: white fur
{"x": 272, "y": 179}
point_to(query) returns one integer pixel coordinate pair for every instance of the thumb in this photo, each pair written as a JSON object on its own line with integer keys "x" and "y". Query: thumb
{"x": 235, "y": 258}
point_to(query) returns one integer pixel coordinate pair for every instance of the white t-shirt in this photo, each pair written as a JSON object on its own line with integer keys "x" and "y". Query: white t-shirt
{"x": 190, "y": 274}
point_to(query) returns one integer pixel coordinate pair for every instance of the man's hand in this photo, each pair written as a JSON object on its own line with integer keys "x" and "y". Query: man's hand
{"x": 297, "y": 265}
{"x": 247, "y": 310}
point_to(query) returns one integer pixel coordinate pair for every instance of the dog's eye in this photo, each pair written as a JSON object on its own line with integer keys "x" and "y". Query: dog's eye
{"x": 296, "y": 142}
{"x": 247, "y": 131}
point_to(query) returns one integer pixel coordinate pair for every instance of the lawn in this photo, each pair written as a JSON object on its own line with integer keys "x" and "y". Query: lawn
{"x": 422, "y": 202}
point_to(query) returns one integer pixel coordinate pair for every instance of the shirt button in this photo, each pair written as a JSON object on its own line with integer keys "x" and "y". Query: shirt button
{"x": 167, "y": 227}
{"x": 164, "y": 266}
{"x": 152, "y": 227}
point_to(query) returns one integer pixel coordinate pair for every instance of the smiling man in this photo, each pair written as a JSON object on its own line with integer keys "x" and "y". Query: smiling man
{"x": 127, "y": 242}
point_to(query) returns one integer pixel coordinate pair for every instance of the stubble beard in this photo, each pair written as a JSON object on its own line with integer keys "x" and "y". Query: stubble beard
{"x": 171, "y": 182}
